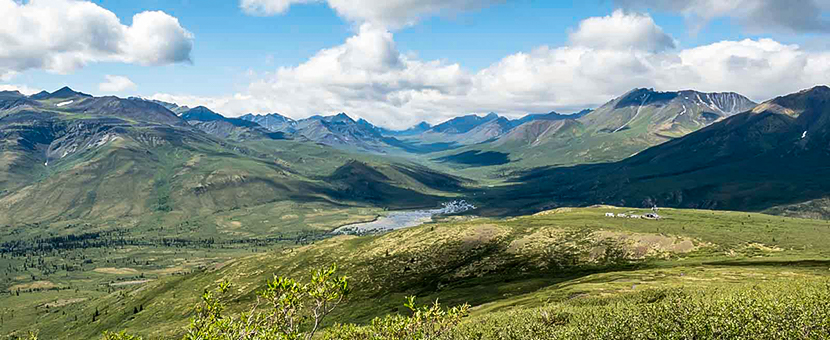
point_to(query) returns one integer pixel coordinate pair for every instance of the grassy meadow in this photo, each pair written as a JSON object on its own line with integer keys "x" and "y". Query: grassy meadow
{"x": 558, "y": 268}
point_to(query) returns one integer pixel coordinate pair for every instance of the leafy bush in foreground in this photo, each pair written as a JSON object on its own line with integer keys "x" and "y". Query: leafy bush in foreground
{"x": 792, "y": 309}
{"x": 297, "y": 310}
{"x": 788, "y": 310}
{"x": 427, "y": 322}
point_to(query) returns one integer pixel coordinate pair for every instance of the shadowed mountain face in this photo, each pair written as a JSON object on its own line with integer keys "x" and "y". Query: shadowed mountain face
{"x": 388, "y": 185}
{"x": 619, "y": 129}
{"x": 63, "y": 93}
{"x": 476, "y": 158}
{"x": 775, "y": 154}
{"x": 13, "y": 99}
{"x": 230, "y": 128}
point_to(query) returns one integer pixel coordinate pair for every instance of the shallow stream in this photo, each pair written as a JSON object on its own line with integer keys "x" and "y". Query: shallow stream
{"x": 404, "y": 219}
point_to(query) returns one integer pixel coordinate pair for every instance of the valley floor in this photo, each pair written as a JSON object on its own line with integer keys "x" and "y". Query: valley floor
{"x": 572, "y": 260}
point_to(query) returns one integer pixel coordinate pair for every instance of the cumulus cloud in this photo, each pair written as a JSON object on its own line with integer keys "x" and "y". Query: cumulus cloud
{"x": 19, "y": 88}
{"x": 7, "y": 75}
{"x": 622, "y": 31}
{"x": 756, "y": 15}
{"x": 115, "y": 84}
{"x": 234, "y": 104}
{"x": 574, "y": 76}
{"x": 369, "y": 77}
{"x": 63, "y": 35}
{"x": 366, "y": 76}
{"x": 386, "y": 13}
{"x": 269, "y": 7}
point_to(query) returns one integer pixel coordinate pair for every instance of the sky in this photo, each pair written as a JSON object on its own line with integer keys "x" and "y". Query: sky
{"x": 399, "y": 62}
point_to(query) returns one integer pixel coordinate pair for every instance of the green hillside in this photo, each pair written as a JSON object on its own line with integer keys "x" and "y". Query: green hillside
{"x": 118, "y": 220}
{"x": 617, "y": 130}
{"x": 100, "y": 167}
{"x": 771, "y": 156}
{"x": 565, "y": 256}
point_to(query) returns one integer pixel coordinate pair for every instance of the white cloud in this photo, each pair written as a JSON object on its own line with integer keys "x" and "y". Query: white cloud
{"x": 63, "y": 35}
{"x": 574, "y": 76}
{"x": 115, "y": 84}
{"x": 368, "y": 77}
{"x": 759, "y": 68}
{"x": 20, "y": 88}
{"x": 385, "y": 13}
{"x": 622, "y": 31}
{"x": 7, "y": 75}
{"x": 234, "y": 103}
{"x": 156, "y": 38}
{"x": 756, "y": 15}
{"x": 269, "y": 7}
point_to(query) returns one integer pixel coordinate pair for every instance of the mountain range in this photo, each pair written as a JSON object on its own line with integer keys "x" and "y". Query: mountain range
{"x": 774, "y": 154}
{"x": 342, "y": 131}
{"x": 72, "y": 155}
{"x": 616, "y": 130}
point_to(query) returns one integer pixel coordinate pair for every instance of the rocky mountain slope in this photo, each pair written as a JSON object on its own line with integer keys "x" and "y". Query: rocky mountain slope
{"x": 273, "y": 121}
{"x": 72, "y": 156}
{"x": 338, "y": 130}
{"x": 229, "y": 128}
{"x": 774, "y": 154}
{"x": 619, "y": 129}
{"x": 665, "y": 114}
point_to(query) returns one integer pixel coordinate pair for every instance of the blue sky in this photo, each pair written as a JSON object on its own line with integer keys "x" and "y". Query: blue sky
{"x": 229, "y": 42}
{"x": 235, "y": 53}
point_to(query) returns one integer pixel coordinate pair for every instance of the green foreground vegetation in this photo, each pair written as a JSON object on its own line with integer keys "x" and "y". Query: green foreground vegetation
{"x": 551, "y": 272}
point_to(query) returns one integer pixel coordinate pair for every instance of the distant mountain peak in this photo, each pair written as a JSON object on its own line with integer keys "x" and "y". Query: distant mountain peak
{"x": 414, "y": 130}
{"x": 719, "y": 103}
{"x": 422, "y": 125}
{"x": 66, "y": 92}
{"x": 11, "y": 93}
{"x": 822, "y": 90}
{"x": 274, "y": 122}
{"x": 40, "y": 95}
{"x": 814, "y": 99}
{"x": 643, "y": 96}
{"x": 342, "y": 116}
{"x": 201, "y": 113}
{"x": 12, "y": 99}
{"x": 639, "y": 91}
{"x": 267, "y": 116}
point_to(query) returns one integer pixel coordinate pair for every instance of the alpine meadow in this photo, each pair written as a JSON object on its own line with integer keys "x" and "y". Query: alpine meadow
{"x": 414, "y": 169}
